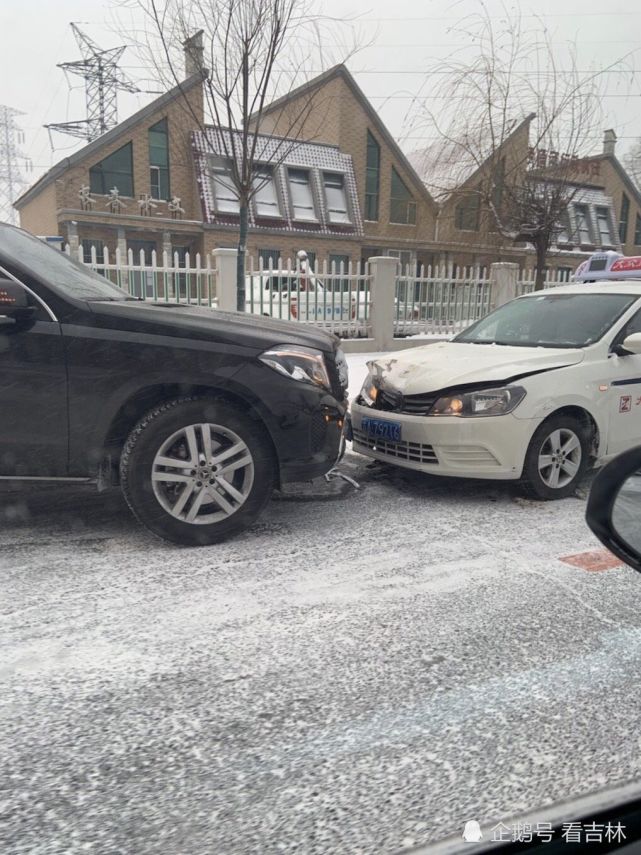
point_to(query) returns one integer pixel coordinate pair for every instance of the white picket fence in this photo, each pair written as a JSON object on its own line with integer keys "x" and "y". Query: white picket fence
{"x": 431, "y": 301}
{"x": 156, "y": 278}
{"x": 440, "y": 300}
{"x": 527, "y": 279}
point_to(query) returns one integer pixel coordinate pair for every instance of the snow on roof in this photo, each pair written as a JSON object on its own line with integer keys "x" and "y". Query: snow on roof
{"x": 282, "y": 152}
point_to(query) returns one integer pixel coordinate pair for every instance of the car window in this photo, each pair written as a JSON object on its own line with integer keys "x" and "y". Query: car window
{"x": 631, "y": 327}
{"x": 550, "y": 320}
{"x": 54, "y": 268}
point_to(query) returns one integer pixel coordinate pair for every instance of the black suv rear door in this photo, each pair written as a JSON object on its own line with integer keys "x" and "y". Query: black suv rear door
{"x": 33, "y": 398}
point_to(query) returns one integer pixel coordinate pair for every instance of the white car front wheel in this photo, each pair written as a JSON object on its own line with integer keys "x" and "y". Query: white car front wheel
{"x": 557, "y": 458}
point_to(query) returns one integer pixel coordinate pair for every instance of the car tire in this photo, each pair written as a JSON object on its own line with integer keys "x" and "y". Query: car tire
{"x": 174, "y": 482}
{"x": 557, "y": 458}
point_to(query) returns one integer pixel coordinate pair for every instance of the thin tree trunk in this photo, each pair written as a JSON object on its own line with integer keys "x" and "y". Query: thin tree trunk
{"x": 240, "y": 263}
{"x": 541, "y": 258}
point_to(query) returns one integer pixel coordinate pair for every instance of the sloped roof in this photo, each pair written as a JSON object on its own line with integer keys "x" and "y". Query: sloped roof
{"x": 447, "y": 164}
{"x": 342, "y": 72}
{"x": 96, "y": 145}
{"x": 285, "y": 152}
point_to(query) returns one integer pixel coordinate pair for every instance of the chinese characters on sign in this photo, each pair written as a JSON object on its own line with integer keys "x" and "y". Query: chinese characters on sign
{"x": 542, "y": 158}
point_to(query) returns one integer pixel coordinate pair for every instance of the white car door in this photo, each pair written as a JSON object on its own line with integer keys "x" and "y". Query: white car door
{"x": 625, "y": 393}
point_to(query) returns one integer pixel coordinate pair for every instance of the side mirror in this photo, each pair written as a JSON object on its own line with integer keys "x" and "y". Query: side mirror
{"x": 614, "y": 506}
{"x": 633, "y": 343}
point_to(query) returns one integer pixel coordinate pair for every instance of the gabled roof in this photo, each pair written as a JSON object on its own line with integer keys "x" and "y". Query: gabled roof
{"x": 621, "y": 171}
{"x": 446, "y": 165}
{"x": 279, "y": 152}
{"x": 110, "y": 136}
{"x": 341, "y": 72}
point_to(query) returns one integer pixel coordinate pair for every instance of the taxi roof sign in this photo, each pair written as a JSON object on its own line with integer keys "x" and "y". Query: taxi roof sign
{"x": 608, "y": 265}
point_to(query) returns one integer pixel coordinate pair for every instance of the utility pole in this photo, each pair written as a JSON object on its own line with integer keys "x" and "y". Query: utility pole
{"x": 103, "y": 79}
{"x": 12, "y": 163}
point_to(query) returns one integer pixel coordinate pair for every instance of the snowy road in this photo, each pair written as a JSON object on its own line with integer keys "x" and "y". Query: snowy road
{"x": 361, "y": 672}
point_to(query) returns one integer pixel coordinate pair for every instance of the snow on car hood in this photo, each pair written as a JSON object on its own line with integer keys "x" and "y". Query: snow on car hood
{"x": 447, "y": 364}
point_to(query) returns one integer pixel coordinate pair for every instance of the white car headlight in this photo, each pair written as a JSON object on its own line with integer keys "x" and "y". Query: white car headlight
{"x": 369, "y": 392}
{"x": 485, "y": 402}
{"x": 298, "y": 363}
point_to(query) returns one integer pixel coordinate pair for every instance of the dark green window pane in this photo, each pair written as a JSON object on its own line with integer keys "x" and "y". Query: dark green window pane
{"x": 372, "y": 178}
{"x": 116, "y": 170}
{"x": 402, "y": 204}
{"x": 159, "y": 160}
{"x": 625, "y": 216}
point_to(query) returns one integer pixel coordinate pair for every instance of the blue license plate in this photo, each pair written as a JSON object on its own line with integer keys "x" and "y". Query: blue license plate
{"x": 382, "y": 429}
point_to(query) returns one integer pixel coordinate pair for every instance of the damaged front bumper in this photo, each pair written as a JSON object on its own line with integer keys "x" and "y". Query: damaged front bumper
{"x": 491, "y": 447}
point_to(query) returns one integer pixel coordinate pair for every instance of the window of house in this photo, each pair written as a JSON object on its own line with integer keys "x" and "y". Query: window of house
{"x": 266, "y": 202}
{"x": 225, "y": 194}
{"x": 300, "y": 189}
{"x": 372, "y": 178}
{"x": 637, "y": 231}
{"x": 159, "y": 160}
{"x": 115, "y": 170}
{"x": 623, "y": 220}
{"x": 336, "y": 197}
{"x": 269, "y": 258}
{"x": 87, "y": 245}
{"x": 603, "y": 224}
{"x": 564, "y": 273}
{"x": 563, "y": 233}
{"x": 467, "y": 214}
{"x": 402, "y": 204}
{"x": 582, "y": 219}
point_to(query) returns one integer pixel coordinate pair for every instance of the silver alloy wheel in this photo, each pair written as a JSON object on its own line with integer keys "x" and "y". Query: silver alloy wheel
{"x": 560, "y": 458}
{"x": 202, "y": 474}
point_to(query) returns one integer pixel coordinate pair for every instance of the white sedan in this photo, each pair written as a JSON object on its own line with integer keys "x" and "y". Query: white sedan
{"x": 537, "y": 391}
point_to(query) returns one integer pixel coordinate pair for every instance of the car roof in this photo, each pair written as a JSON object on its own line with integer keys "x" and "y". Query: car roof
{"x": 608, "y": 286}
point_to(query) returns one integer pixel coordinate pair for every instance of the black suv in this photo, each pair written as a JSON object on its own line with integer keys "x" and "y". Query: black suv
{"x": 197, "y": 414}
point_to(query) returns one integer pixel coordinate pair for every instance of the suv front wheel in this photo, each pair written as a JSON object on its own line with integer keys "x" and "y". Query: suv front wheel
{"x": 197, "y": 470}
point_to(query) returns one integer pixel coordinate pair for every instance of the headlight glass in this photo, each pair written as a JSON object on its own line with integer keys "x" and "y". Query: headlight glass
{"x": 298, "y": 363}
{"x": 369, "y": 392}
{"x": 485, "y": 402}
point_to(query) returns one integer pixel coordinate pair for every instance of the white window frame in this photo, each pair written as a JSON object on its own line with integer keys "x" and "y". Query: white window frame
{"x": 599, "y": 210}
{"x": 311, "y": 217}
{"x": 265, "y": 178}
{"x": 219, "y": 170}
{"x": 336, "y": 215}
{"x": 579, "y": 209}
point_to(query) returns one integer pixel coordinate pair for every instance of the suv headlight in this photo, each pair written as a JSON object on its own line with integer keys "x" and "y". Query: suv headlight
{"x": 369, "y": 392}
{"x": 485, "y": 402}
{"x": 298, "y": 363}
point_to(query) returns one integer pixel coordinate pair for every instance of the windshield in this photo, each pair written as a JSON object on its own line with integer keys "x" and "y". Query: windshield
{"x": 550, "y": 320}
{"x": 55, "y": 268}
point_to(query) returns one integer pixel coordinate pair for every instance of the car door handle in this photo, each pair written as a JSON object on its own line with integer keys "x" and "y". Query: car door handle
{"x": 6, "y": 321}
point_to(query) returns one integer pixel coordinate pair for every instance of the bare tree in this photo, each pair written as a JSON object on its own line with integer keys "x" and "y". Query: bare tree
{"x": 509, "y": 122}
{"x": 249, "y": 53}
{"x": 632, "y": 162}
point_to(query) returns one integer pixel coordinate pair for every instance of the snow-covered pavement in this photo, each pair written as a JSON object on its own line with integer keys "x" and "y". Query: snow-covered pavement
{"x": 360, "y": 672}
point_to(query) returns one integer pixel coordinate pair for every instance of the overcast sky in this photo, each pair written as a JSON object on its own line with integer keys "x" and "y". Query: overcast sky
{"x": 406, "y": 37}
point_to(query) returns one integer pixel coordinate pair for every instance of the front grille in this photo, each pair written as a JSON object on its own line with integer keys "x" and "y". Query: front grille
{"x": 318, "y": 432}
{"x": 416, "y": 452}
{"x": 393, "y": 401}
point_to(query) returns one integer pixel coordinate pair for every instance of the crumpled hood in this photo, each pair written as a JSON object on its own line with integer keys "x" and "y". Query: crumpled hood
{"x": 449, "y": 364}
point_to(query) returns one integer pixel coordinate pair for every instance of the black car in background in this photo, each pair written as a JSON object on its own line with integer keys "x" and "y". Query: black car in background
{"x": 197, "y": 414}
